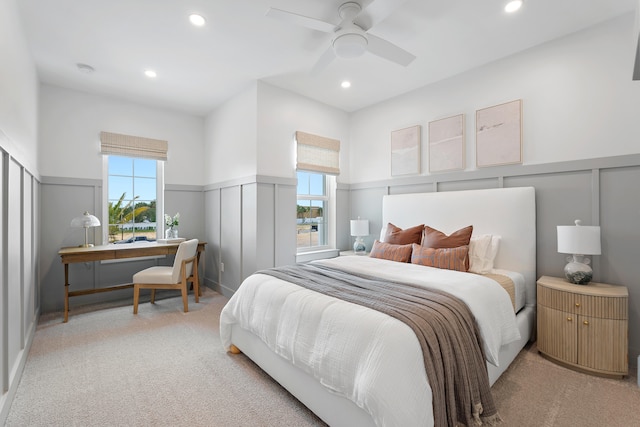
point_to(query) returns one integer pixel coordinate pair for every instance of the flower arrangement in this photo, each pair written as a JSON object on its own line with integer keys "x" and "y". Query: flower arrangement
{"x": 172, "y": 221}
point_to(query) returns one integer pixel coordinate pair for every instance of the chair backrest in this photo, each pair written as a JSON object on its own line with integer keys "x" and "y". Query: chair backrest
{"x": 186, "y": 249}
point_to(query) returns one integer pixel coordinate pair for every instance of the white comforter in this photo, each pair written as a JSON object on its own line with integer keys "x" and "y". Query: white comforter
{"x": 366, "y": 356}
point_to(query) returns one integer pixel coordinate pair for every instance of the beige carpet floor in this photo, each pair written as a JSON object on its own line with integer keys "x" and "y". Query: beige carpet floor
{"x": 106, "y": 367}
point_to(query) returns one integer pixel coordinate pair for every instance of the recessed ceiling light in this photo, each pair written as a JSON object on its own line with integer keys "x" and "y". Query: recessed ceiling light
{"x": 150, "y": 73}
{"x": 84, "y": 68}
{"x": 512, "y": 6}
{"x": 345, "y": 84}
{"x": 197, "y": 20}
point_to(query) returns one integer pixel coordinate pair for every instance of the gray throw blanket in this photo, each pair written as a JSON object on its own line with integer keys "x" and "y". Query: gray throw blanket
{"x": 454, "y": 359}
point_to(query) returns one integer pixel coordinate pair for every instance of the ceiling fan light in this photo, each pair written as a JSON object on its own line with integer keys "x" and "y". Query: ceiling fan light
{"x": 350, "y": 45}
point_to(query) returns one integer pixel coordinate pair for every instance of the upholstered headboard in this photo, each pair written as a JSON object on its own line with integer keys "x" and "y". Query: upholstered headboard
{"x": 508, "y": 212}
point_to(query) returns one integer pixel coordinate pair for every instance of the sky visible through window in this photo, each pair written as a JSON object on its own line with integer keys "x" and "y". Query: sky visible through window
{"x": 128, "y": 175}
{"x": 311, "y": 184}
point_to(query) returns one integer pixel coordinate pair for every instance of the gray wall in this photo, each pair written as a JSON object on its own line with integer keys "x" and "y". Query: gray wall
{"x": 603, "y": 192}
{"x": 246, "y": 223}
{"x": 248, "y": 228}
{"x": 65, "y": 198}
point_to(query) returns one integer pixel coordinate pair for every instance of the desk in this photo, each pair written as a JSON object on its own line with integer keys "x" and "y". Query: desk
{"x": 111, "y": 252}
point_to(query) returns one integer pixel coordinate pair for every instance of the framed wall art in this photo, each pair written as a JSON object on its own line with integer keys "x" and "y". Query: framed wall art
{"x": 499, "y": 134}
{"x": 405, "y": 151}
{"x": 446, "y": 144}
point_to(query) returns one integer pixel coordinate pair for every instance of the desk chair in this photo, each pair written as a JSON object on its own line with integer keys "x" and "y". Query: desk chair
{"x": 183, "y": 271}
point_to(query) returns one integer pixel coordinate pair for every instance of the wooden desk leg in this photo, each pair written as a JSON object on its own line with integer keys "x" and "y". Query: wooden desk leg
{"x": 199, "y": 283}
{"x": 66, "y": 293}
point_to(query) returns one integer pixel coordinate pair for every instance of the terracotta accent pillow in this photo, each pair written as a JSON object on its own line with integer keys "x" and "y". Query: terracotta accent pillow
{"x": 398, "y": 236}
{"x": 391, "y": 252}
{"x": 437, "y": 239}
{"x": 448, "y": 258}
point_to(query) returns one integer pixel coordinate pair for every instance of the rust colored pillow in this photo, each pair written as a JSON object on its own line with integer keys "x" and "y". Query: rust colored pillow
{"x": 391, "y": 252}
{"x": 437, "y": 239}
{"x": 449, "y": 258}
{"x": 398, "y": 236}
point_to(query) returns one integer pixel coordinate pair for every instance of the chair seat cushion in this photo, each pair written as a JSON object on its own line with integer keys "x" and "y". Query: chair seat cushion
{"x": 158, "y": 275}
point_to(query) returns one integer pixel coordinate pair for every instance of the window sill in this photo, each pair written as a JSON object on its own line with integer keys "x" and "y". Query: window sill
{"x": 315, "y": 255}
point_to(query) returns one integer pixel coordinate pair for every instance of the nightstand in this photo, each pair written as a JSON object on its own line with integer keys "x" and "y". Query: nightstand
{"x": 584, "y": 327}
{"x": 352, "y": 253}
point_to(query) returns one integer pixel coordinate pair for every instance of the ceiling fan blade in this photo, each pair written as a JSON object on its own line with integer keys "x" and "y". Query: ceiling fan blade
{"x": 304, "y": 21}
{"x": 325, "y": 59}
{"x": 377, "y": 12}
{"x": 388, "y": 50}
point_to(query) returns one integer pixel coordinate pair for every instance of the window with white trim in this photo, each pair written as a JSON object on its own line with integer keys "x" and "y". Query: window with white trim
{"x": 132, "y": 199}
{"x": 312, "y": 211}
{"x": 317, "y": 163}
{"x": 133, "y": 190}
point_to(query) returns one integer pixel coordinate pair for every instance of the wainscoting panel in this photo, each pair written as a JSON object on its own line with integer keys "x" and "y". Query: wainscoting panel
{"x": 231, "y": 238}
{"x": 212, "y": 202}
{"x": 19, "y": 255}
{"x": 285, "y": 216}
{"x": 14, "y": 294}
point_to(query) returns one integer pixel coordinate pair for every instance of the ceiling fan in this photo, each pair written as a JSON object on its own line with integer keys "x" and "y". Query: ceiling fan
{"x": 351, "y": 38}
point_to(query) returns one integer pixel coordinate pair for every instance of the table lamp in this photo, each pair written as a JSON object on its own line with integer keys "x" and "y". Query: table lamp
{"x": 578, "y": 240}
{"x": 359, "y": 229}
{"x": 86, "y": 220}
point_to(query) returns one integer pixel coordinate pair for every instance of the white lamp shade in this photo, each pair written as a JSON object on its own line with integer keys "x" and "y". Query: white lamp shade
{"x": 579, "y": 239}
{"x": 86, "y": 220}
{"x": 359, "y": 227}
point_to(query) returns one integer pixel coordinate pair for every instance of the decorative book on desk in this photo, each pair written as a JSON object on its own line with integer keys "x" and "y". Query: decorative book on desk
{"x": 168, "y": 241}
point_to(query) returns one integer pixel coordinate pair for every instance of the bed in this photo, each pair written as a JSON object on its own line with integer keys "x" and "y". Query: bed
{"x": 366, "y": 370}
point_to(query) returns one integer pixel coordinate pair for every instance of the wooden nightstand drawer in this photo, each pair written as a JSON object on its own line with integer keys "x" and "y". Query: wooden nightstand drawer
{"x": 588, "y": 305}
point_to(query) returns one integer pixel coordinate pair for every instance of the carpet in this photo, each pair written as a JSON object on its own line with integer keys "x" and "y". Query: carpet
{"x": 163, "y": 367}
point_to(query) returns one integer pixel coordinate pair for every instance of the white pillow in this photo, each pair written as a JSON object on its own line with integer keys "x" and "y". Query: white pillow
{"x": 482, "y": 252}
{"x": 383, "y": 233}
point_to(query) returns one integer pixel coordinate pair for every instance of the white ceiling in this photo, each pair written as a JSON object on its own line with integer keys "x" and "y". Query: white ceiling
{"x": 199, "y": 68}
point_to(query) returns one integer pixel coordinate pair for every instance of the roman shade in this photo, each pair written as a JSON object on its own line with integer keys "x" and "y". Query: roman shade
{"x": 317, "y": 154}
{"x": 133, "y": 146}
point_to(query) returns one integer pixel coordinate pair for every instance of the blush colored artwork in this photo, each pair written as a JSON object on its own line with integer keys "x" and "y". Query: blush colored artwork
{"x": 405, "y": 151}
{"x": 446, "y": 144}
{"x": 499, "y": 134}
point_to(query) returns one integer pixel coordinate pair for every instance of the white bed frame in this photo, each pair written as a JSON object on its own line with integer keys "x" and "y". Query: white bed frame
{"x": 508, "y": 212}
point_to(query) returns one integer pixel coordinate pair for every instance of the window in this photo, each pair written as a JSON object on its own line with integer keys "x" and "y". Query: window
{"x": 312, "y": 211}
{"x": 134, "y": 198}
{"x": 317, "y": 164}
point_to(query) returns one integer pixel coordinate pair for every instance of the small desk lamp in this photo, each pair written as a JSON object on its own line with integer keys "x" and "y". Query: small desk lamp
{"x": 359, "y": 229}
{"x": 578, "y": 240}
{"x": 86, "y": 220}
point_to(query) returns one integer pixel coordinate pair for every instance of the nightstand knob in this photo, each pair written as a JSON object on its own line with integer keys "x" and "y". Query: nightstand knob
{"x": 569, "y": 319}
{"x": 577, "y": 304}
{"x": 586, "y": 322}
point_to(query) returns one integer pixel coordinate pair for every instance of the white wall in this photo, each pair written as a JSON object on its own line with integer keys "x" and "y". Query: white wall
{"x": 70, "y": 125}
{"x": 230, "y": 139}
{"x": 280, "y": 114}
{"x": 19, "y": 203}
{"x": 18, "y": 90}
{"x": 579, "y": 102}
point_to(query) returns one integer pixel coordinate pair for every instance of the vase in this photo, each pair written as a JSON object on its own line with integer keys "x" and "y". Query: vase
{"x": 174, "y": 232}
{"x": 167, "y": 233}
